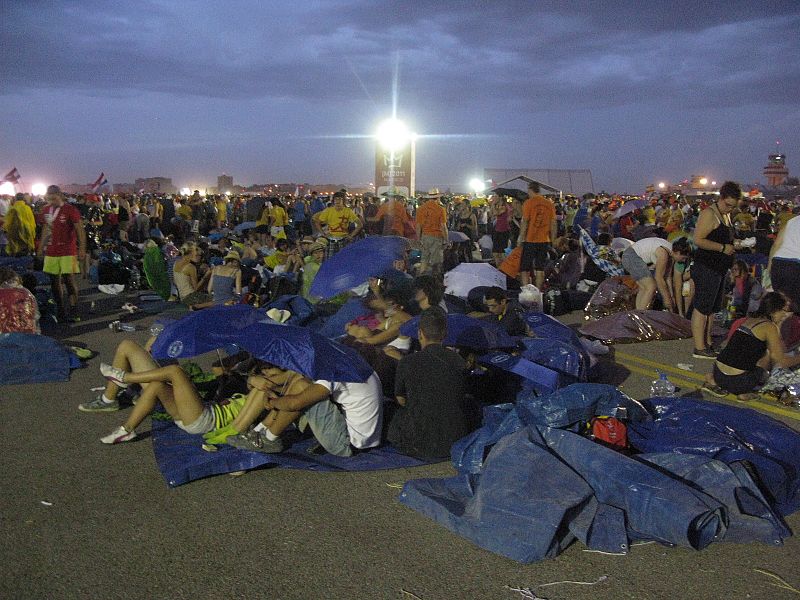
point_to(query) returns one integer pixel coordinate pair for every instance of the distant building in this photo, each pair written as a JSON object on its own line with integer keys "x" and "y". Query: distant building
{"x": 570, "y": 181}
{"x": 155, "y": 185}
{"x": 224, "y": 184}
{"x": 776, "y": 171}
{"x": 125, "y": 188}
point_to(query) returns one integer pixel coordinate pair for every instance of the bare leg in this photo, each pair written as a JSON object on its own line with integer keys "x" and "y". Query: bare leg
{"x": 146, "y": 403}
{"x": 644, "y": 297}
{"x": 539, "y": 279}
{"x": 250, "y": 411}
{"x": 278, "y": 420}
{"x": 131, "y": 357}
{"x": 72, "y": 290}
{"x": 58, "y": 293}
{"x": 185, "y": 405}
{"x": 524, "y": 278}
{"x": 699, "y": 328}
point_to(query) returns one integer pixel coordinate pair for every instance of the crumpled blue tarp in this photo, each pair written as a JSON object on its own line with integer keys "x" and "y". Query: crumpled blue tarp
{"x": 31, "y": 358}
{"x": 566, "y": 406}
{"x": 181, "y": 459}
{"x": 526, "y": 490}
{"x": 302, "y": 310}
{"x": 545, "y": 326}
{"x": 729, "y": 434}
{"x": 557, "y": 355}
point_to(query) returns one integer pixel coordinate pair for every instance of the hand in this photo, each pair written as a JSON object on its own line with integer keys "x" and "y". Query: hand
{"x": 728, "y": 249}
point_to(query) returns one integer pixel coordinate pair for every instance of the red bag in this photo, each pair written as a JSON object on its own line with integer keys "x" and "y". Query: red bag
{"x": 610, "y": 432}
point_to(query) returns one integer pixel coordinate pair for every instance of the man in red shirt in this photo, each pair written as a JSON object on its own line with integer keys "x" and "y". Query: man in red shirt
{"x": 537, "y": 232}
{"x": 63, "y": 245}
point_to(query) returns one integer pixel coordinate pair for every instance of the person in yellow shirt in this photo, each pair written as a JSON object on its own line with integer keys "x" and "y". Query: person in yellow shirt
{"x": 337, "y": 220}
{"x": 20, "y": 227}
{"x": 278, "y": 220}
{"x": 222, "y": 210}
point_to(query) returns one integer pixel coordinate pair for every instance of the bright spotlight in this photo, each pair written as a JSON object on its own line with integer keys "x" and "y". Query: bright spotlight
{"x": 713, "y": 183}
{"x": 39, "y": 189}
{"x": 393, "y": 134}
{"x": 185, "y": 192}
{"x": 7, "y": 189}
{"x": 661, "y": 185}
{"x": 703, "y": 181}
{"x": 477, "y": 185}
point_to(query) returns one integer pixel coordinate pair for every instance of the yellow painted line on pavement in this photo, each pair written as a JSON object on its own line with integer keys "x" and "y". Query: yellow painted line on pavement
{"x": 660, "y": 366}
{"x": 778, "y": 410}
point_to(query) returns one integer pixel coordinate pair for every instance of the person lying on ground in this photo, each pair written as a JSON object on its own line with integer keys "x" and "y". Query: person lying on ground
{"x": 753, "y": 348}
{"x": 172, "y": 387}
{"x": 430, "y": 388}
{"x": 344, "y": 417}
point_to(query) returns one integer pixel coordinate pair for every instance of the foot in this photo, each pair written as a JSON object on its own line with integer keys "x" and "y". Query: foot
{"x": 119, "y": 435}
{"x": 714, "y": 390}
{"x": 705, "y": 353}
{"x": 99, "y": 405}
{"x": 114, "y": 374}
{"x": 256, "y": 441}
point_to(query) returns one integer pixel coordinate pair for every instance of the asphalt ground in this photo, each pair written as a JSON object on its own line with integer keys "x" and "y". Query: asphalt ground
{"x": 79, "y": 519}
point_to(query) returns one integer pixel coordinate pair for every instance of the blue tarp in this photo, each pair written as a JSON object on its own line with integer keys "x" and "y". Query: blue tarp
{"x": 557, "y": 355}
{"x": 30, "y": 358}
{"x": 302, "y": 310}
{"x": 466, "y": 332}
{"x": 540, "y": 487}
{"x": 181, "y": 458}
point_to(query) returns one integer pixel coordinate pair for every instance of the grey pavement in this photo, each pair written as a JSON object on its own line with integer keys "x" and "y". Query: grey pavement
{"x": 112, "y": 527}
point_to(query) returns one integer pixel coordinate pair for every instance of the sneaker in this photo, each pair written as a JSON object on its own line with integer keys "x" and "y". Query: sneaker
{"x": 714, "y": 390}
{"x": 706, "y": 353}
{"x": 99, "y": 405}
{"x": 119, "y": 435}
{"x": 255, "y": 441}
{"x": 114, "y": 374}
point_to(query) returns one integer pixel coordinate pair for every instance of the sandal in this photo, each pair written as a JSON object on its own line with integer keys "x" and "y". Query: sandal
{"x": 714, "y": 390}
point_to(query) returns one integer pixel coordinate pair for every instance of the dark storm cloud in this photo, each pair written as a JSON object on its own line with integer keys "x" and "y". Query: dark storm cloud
{"x": 542, "y": 55}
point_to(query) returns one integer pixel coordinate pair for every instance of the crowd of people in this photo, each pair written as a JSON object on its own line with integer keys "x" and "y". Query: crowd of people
{"x": 687, "y": 256}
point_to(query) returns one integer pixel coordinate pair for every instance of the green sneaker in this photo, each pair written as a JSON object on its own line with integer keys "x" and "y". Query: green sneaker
{"x": 99, "y": 405}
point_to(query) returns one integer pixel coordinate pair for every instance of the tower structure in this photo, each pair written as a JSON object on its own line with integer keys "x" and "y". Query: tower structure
{"x": 776, "y": 171}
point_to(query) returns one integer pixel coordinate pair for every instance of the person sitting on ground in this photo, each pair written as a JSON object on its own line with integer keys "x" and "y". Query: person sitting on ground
{"x": 184, "y": 274}
{"x": 428, "y": 292}
{"x": 172, "y": 387}
{"x": 660, "y": 253}
{"x": 430, "y": 388}
{"x": 394, "y": 315}
{"x": 746, "y": 291}
{"x": 225, "y": 284}
{"x": 344, "y": 417}
{"x": 311, "y": 264}
{"x": 753, "y": 348}
{"x": 503, "y": 312}
{"x": 284, "y": 260}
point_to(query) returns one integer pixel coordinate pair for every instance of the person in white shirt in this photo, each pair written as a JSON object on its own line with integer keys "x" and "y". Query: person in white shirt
{"x": 660, "y": 254}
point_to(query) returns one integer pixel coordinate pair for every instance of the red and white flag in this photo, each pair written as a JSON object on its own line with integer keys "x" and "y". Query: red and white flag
{"x": 12, "y": 176}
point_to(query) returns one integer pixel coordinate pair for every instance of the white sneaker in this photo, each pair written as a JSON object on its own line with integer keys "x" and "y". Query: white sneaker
{"x": 114, "y": 374}
{"x": 119, "y": 435}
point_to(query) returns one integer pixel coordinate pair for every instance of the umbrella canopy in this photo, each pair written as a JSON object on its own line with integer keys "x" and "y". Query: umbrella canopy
{"x": 466, "y": 332}
{"x": 520, "y": 195}
{"x": 457, "y": 237}
{"x": 203, "y": 331}
{"x": 466, "y": 276}
{"x": 628, "y": 207}
{"x": 244, "y": 226}
{"x": 356, "y": 263}
{"x": 300, "y": 349}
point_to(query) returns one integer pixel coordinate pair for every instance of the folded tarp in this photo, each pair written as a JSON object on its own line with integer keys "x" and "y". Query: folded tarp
{"x": 181, "y": 459}
{"x": 31, "y": 358}
{"x": 729, "y": 434}
{"x": 638, "y": 326}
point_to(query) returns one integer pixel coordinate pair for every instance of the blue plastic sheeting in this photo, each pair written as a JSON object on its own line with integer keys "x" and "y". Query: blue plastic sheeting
{"x": 356, "y": 263}
{"x": 545, "y": 326}
{"x": 565, "y": 407}
{"x": 350, "y": 310}
{"x": 30, "y": 358}
{"x": 466, "y": 332}
{"x": 534, "y": 376}
{"x": 729, "y": 434}
{"x": 203, "y": 331}
{"x": 557, "y": 355}
{"x": 20, "y": 264}
{"x": 302, "y": 310}
{"x": 181, "y": 459}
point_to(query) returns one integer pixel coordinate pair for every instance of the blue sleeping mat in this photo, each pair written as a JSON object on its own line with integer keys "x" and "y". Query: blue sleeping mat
{"x": 181, "y": 458}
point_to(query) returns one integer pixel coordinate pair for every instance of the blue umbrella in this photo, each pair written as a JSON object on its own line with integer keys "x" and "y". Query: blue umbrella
{"x": 245, "y": 226}
{"x": 466, "y": 332}
{"x": 203, "y": 331}
{"x": 300, "y": 349}
{"x": 356, "y": 263}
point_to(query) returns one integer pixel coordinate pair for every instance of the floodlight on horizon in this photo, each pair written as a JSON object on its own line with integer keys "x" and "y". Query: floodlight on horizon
{"x": 392, "y": 134}
{"x": 186, "y": 191}
{"x": 703, "y": 181}
{"x": 477, "y": 185}
{"x": 39, "y": 189}
{"x": 661, "y": 185}
{"x": 7, "y": 189}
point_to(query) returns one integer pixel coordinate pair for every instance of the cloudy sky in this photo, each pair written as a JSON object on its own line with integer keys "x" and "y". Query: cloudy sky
{"x": 637, "y": 91}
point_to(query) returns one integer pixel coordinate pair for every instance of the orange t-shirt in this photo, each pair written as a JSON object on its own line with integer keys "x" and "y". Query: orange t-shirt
{"x": 510, "y": 266}
{"x": 431, "y": 218}
{"x": 395, "y": 217}
{"x": 540, "y": 214}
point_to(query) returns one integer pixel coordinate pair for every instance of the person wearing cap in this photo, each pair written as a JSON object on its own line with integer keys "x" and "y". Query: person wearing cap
{"x": 432, "y": 232}
{"x": 63, "y": 245}
{"x": 225, "y": 285}
{"x": 393, "y": 212}
{"x": 338, "y": 219}
{"x": 315, "y": 254}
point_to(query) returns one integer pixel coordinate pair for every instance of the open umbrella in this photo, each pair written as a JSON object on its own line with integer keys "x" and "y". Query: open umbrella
{"x": 520, "y": 195}
{"x": 203, "y": 331}
{"x": 300, "y": 349}
{"x": 467, "y": 276}
{"x": 356, "y": 263}
{"x": 628, "y": 207}
{"x": 466, "y": 332}
{"x": 457, "y": 237}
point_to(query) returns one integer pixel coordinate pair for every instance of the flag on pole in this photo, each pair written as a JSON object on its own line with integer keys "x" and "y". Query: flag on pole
{"x": 101, "y": 181}
{"x": 12, "y": 176}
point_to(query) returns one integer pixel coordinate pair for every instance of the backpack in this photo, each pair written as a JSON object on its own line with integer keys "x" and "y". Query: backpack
{"x": 555, "y": 303}
{"x": 610, "y": 432}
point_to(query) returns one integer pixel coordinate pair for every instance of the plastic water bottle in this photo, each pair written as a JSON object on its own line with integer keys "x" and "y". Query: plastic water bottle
{"x": 662, "y": 387}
